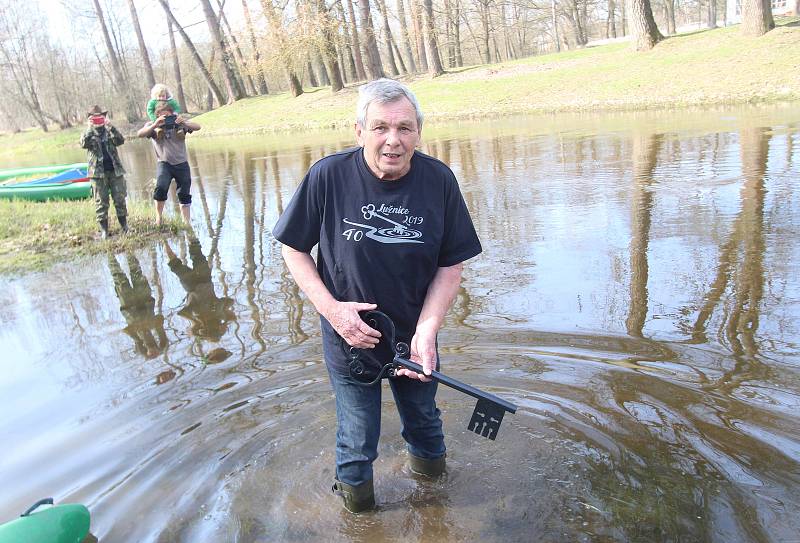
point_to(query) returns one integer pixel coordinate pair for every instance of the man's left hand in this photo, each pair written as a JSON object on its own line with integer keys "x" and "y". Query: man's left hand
{"x": 423, "y": 352}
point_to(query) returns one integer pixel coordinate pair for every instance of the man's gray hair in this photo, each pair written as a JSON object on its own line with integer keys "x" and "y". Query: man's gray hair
{"x": 384, "y": 91}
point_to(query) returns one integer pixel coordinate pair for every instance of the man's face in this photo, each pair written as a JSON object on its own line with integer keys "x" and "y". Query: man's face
{"x": 389, "y": 138}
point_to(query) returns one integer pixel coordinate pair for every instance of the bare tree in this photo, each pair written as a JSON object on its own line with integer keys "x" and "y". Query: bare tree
{"x": 176, "y": 68}
{"x": 483, "y": 12}
{"x": 416, "y": 20}
{"x": 642, "y": 25}
{"x": 434, "y": 63}
{"x": 262, "y": 82}
{"x": 280, "y": 40}
{"x": 611, "y": 24}
{"x": 387, "y": 32}
{"x": 235, "y": 92}
{"x": 401, "y": 14}
{"x": 245, "y": 81}
{"x": 346, "y": 48}
{"x": 669, "y": 15}
{"x": 555, "y": 25}
{"x": 374, "y": 65}
{"x": 212, "y": 86}
{"x": 120, "y": 83}
{"x": 18, "y": 41}
{"x": 328, "y": 47}
{"x": 712, "y": 14}
{"x": 148, "y": 68}
{"x": 362, "y": 73}
{"x": 757, "y": 17}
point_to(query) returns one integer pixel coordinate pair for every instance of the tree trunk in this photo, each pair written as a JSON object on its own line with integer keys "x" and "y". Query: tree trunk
{"x": 120, "y": 83}
{"x": 246, "y": 82}
{"x": 669, "y": 15}
{"x": 757, "y": 17}
{"x": 457, "y": 36}
{"x": 312, "y": 77}
{"x": 401, "y": 14}
{"x": 275, "y": 27}
{"x": 388, "y": 33}
{"x": 362, "y": 74}
{"x": 449, "y": 31}
{"x": 642, "y": 25}
{"x": 374, "y": 65}
{"x": 712, "y": 14}
{"x": 235, "y": 92}
{"x": 434, "y": 63}
{"x": 347, "y": 46}
{"x": 176, "y": 67}
{"x": 345, "y": 77}
{"x": 486, "y": 37}
{"x": 321, "y": 69}
{"x": 555, "y": 24}
{"x": 195, "y": 55}
{"x": 624, "y": 18}
{"x": 148, "y": 68}
{"x": 416, "y": 11}
{"x": 260, "y": 80}
{"x": 611, "y": 24}
{"x": 328, "y": 48}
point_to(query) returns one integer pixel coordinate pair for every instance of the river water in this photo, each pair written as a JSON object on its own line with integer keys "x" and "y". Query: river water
{"x": 637, "y": 297}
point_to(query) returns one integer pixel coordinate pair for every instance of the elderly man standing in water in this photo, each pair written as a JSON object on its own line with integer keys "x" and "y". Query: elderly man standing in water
{"x": 392, "y": 231}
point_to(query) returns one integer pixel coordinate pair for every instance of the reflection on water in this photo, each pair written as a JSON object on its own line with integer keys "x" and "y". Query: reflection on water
{"x": 137, "y": 305}
{"x": 208, "y": 314}
{"x": 637, "y": 298}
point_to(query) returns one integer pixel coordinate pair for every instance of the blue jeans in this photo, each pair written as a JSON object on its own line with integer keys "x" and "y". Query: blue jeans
{"x": 358, "y": 416}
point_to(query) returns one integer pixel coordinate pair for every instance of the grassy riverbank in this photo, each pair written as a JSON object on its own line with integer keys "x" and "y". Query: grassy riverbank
{"x": 35, "y": 235}
{"x": 697, "y": 69}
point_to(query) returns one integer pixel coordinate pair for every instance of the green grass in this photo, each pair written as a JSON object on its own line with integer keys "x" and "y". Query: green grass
{"x": 35, "y": 235}
{"x": 27, "y": 148}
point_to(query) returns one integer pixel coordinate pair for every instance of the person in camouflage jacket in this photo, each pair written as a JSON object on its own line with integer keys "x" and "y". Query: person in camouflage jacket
{"x": 101, "y": 140}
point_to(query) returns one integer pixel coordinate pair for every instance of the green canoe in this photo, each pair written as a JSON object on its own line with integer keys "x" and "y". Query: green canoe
{"x": 67, "y": 523}
{"x": 29, "y": 172}
{"x": 70, "y": 184}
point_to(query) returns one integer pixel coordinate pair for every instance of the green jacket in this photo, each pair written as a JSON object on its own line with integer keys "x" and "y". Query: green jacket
{"x": 92, "y": 141}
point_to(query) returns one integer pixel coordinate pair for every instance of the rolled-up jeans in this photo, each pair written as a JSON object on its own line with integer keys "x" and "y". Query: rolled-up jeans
{"x": 358, "y": 416}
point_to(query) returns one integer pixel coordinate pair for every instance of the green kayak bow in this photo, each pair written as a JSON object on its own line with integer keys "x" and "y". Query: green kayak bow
{"x": 67, "y": 523}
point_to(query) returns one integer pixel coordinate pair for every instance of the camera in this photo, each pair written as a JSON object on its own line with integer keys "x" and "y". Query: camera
{"x": 98, "y": 120}
{"x": 169, "y": 121}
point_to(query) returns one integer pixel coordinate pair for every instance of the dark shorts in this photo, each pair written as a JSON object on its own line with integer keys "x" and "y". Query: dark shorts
{"x": 165, "y": 173}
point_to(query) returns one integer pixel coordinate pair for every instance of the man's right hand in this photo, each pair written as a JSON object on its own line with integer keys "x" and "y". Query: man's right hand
{"x": 345, "y": 319}
{"x": 159, "y": 121}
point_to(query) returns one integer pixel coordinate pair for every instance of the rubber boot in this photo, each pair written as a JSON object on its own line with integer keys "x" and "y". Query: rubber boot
{"x": 430, "y": 467}
{"x": 104, "y": 229}
{"x": 123, "y": 224}
{"x": 357, "y": 499}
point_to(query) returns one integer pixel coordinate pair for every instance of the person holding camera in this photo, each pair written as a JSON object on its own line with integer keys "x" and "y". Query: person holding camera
{"x": 168, "y": 136}
{"x": 101, "y": 140}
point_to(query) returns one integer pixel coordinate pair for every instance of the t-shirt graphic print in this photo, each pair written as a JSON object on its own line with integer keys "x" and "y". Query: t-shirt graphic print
{"x": 398, "y": 231}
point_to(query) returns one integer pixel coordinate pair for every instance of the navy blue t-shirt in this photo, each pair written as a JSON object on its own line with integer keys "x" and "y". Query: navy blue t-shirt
{"x": 378, "y": 241}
